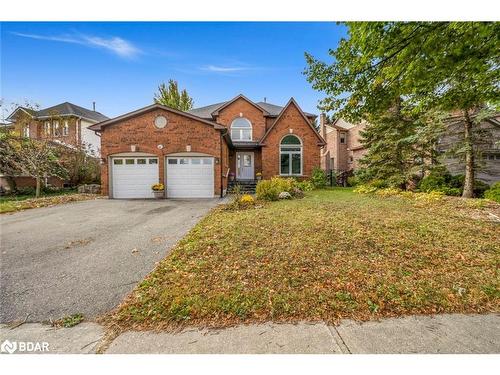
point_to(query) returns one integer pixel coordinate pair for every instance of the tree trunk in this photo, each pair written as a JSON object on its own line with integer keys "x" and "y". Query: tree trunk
{"x": 38, "y": 185}
{"x": 469, "y": 158}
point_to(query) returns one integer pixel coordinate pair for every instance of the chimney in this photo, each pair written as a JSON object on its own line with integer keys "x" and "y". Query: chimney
{"x": 265, "y": 99}
{"x": 93, "y": 106}
{"x": 322, "y": 125}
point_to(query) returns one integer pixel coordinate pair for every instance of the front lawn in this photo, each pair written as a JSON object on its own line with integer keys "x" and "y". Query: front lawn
{"x": 18, "y": 203}
{"x": 334, "y": 254}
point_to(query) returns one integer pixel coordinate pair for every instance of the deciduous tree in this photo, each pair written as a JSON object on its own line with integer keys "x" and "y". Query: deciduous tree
{"x": 448, "y": 66}
{"x": 171, "y": 97}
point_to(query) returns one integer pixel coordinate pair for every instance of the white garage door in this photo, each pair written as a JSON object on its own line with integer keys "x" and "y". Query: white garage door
{"x": 132, "y": 177}
{"x": 190, "y": 177}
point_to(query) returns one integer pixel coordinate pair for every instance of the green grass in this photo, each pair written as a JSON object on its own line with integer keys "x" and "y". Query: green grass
{"x": 334, "y": 254}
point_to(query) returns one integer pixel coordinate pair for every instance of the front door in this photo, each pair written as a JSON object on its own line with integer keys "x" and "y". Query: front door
{"x": 244, "y": 166}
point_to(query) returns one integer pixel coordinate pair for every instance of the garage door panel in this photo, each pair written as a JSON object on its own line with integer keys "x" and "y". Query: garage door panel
{"x": 190, "y": 177}
{"x": 134, "y": 180}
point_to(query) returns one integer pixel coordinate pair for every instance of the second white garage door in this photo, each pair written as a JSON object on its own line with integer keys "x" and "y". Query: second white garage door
{"x": 190, "y": 177}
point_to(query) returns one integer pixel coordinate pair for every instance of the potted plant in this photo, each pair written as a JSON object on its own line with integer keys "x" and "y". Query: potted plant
{"x": 258, "y": 175}
{"x": 158, "y": 190}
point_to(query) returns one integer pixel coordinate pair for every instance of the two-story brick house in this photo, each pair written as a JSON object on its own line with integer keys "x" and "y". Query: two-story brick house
{"x": 343, "y": 148}
{"x": 66, "y": 123}
{"x": 196, "y": 153}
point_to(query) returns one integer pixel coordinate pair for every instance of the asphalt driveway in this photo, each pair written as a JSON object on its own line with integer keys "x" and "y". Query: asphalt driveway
{"x": 85, "y": 257}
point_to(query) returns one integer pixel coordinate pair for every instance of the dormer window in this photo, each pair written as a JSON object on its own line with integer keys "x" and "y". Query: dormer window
{"x": 241, "y": 129}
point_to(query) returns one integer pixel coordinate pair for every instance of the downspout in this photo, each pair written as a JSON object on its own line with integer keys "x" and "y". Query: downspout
{"x": 221, "y": 164}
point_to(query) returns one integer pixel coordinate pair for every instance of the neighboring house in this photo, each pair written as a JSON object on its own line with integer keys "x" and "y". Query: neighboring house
{"x": 488, "y": 160}
{"x": 196, "y": 153}
{"x": 343, "y": 148}
{"x": 66, "y": 123}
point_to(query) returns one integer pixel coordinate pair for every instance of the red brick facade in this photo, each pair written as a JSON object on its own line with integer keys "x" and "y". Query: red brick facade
{"x": 180, "y": 133}
{"x": 293, "y": 122}
{"x": 187, "y": 132}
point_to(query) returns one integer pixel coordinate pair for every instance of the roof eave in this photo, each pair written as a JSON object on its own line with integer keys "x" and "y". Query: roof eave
{"x": 98, "y": 127}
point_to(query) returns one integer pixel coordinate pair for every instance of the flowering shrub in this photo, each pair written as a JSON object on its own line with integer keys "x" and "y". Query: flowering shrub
{"x": 247, "y": 200}
{"x": 158, "y": 187}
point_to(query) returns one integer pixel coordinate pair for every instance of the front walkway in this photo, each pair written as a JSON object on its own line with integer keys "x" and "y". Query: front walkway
{"x": 454, "y": 333}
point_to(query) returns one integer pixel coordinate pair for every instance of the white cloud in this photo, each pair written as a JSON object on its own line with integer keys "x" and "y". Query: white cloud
{"x": 223, "y": 69}
{"x": 116, "y": 45}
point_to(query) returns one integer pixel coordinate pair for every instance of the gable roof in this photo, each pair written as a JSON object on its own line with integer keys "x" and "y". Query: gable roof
{"x": 271, "y": 110}
{"x": 100, "y": 125}
{"x": 290, "y": 102}
{"x": 63, "y": 109}
{"x": 240, "y": 96}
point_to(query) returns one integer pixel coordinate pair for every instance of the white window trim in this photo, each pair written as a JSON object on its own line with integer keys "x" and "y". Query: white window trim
{"x": 290, "y": 153}
{"x": 46, "y": 129}
{"x": 65, "y": 129}
{"x": 55, "y": 126}
{"x": 26, "y": 131}
{"x": 240, "y": 130}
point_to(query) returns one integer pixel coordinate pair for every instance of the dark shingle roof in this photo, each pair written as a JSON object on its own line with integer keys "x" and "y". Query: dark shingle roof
{"x": 206, "y": 112}
{"x": 70, "y": 109}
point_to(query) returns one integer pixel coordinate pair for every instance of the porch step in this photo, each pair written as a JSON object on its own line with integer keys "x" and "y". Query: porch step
{"x": 246, "y": 186}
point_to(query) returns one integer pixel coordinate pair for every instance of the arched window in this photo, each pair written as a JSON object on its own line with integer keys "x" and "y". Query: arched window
{"x": 290, "y": 156}
{"x": 241, "y": 129}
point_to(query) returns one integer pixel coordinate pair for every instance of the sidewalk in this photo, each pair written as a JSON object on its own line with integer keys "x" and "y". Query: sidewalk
{"x": 416, "y": 334}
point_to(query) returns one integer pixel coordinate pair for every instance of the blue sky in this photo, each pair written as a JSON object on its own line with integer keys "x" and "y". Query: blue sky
{"x": 119, "y": 65}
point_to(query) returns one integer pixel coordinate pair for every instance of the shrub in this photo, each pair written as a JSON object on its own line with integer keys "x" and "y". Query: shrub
{"x": 378, "y": 184}
{"x": 352, "y": 181}
{"x": 247, "y": 200}
{"x": 305, "y": 185}
{"x": 493, "y": 193}
{"x": 318, "y": 177}
{"x": 448, "y": 184}
{"x": 270, "y": 189}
